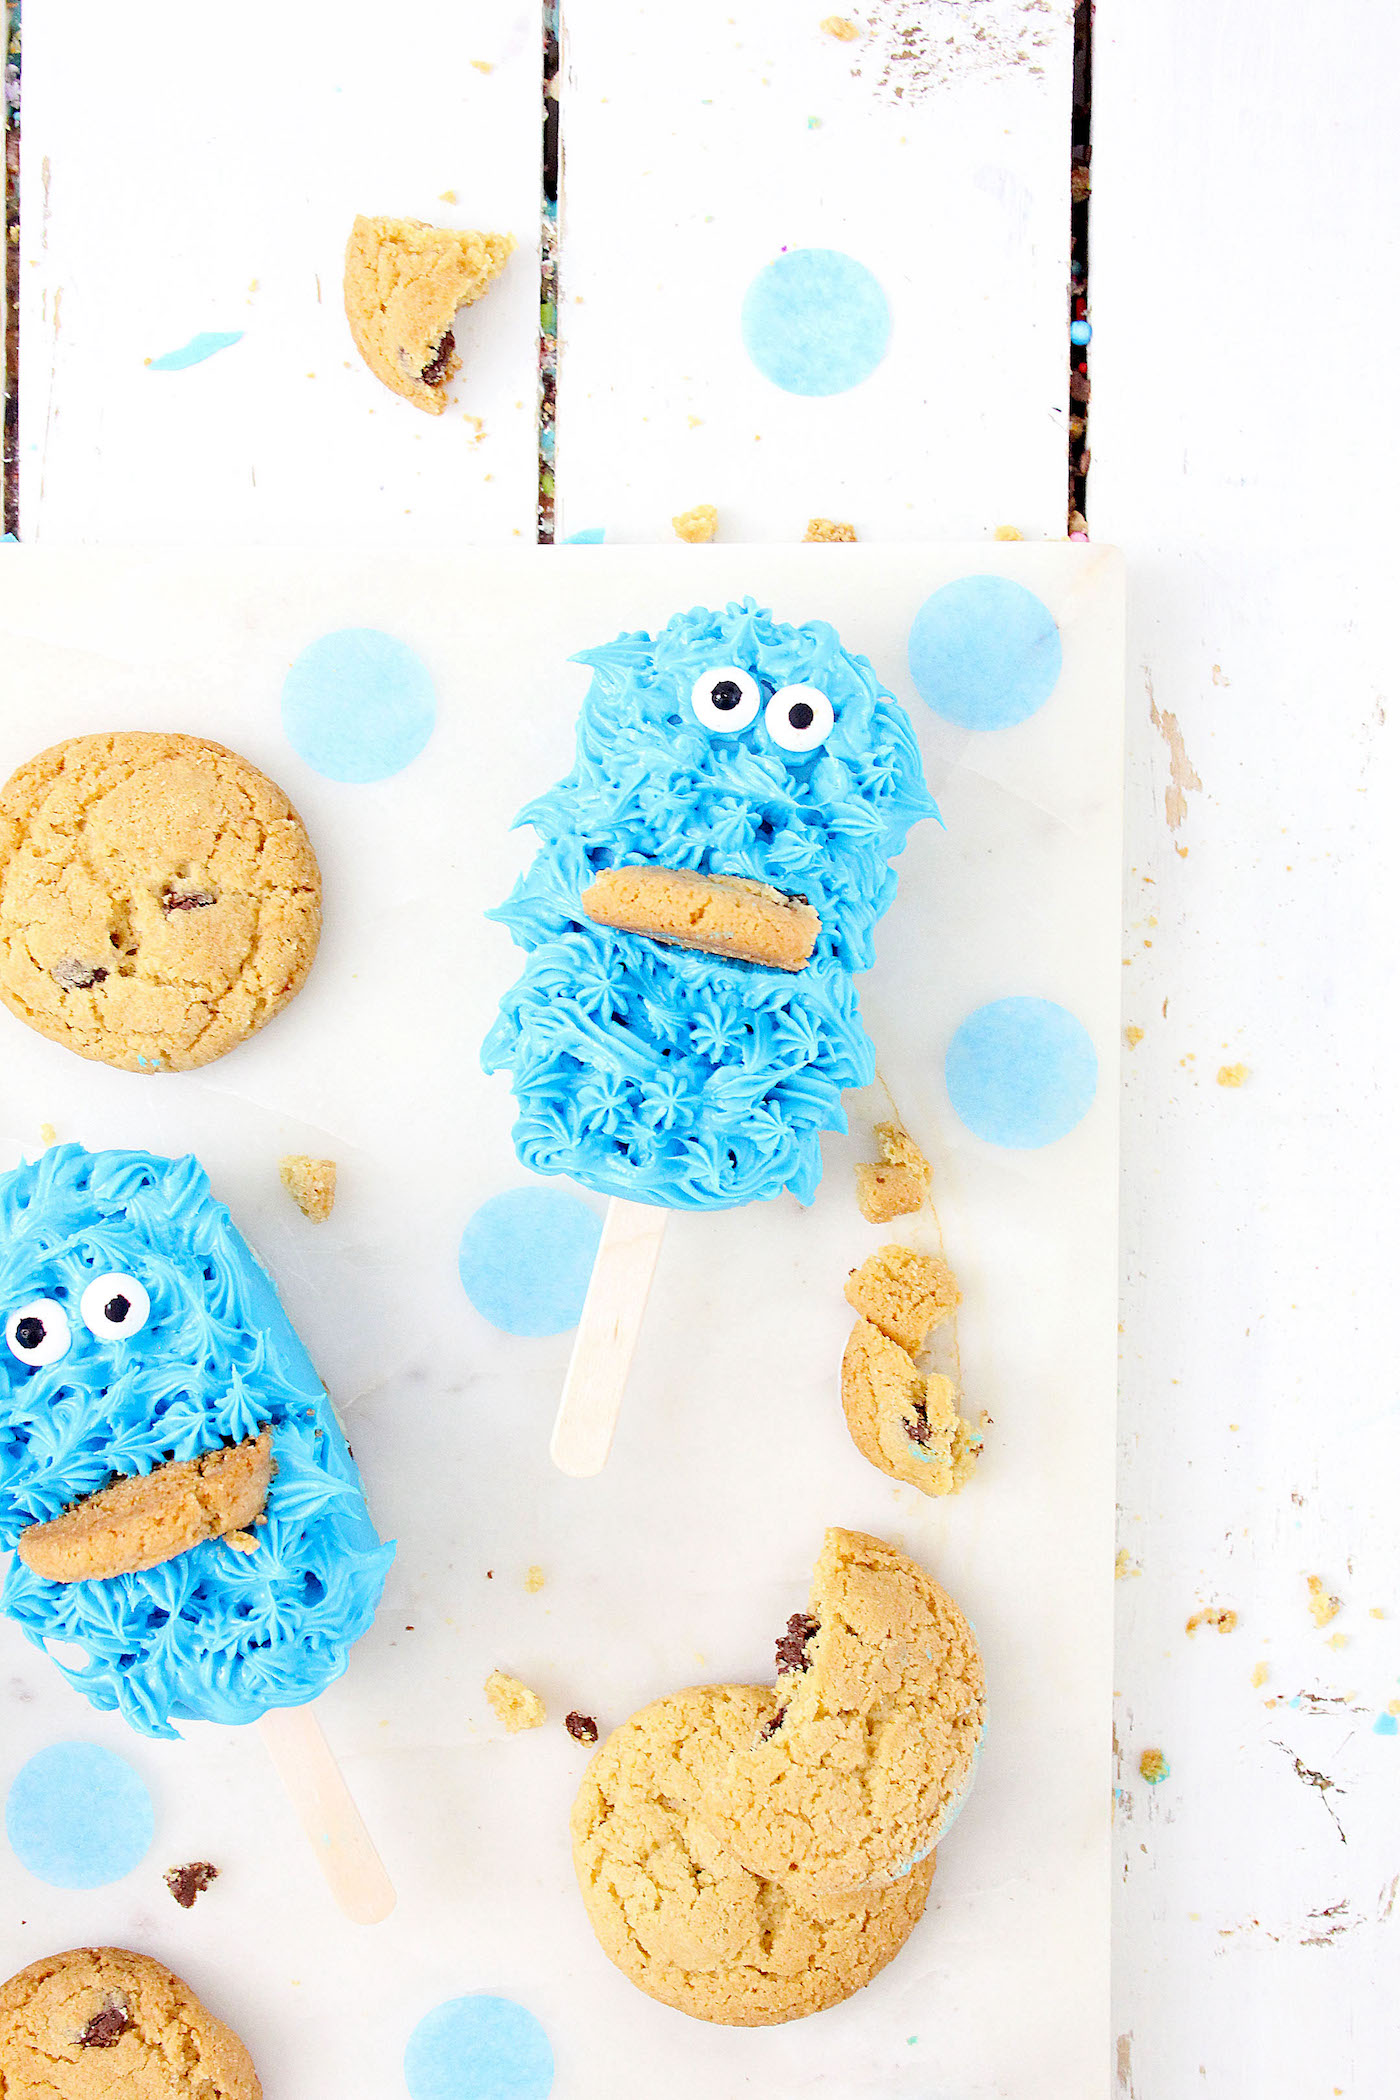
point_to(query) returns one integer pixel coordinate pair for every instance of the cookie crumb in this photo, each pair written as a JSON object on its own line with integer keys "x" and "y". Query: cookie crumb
{"x": 482, "y": 65}
{"x": 1154, "y": 1767}
{"x": 582, "y": 1727}
{"x": 185, "y": 1883}
{"x": 844, "y": 31}
{"x": 1322, "y": 1606}
{"x": 895, "y": 1187}
{"x": 310, "y": 1183}
{"x": 534, "y": 1578}
{"x": 105, "y": 2029}
{"x": 1008, "y": 532}
{"x": 1259, "y": 1675}
{"x": 1338, "y": 1640}
{"x": 697, "y": 525}
{"x": 47, "y": 1134}
{"x": 1123, "y": 1569}
{"x": 1222, "y": 1621}
{"x": 1132, "y": 1035}
{"x": 1232, "y": 1075}
{"x": 516, "y": 1707}
{"x": 903, "y": 1293}
{"x": 241, "y": 1541}
{"x": 828, "y": 530}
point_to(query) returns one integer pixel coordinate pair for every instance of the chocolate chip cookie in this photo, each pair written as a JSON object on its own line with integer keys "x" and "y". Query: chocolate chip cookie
{"x": 99, "y": 2023}
{"x": 872, "y": 1746}
{"x": 159, "y": 899}
{"x": 404, "y": 283}
{"x": 678, "y": 1914}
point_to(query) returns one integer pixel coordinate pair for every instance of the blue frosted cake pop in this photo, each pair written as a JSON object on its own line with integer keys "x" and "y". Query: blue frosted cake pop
{"x": 734, "y": 746}
{"x": 182, "y": 1348}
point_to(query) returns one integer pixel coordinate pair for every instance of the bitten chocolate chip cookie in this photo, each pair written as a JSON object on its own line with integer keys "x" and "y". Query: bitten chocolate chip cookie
{"x": 872, "y": 1748}
{"x": 678, "y": 1914}
{"x": 905, "y": 1422}
{"x": 404, "y": 283}
{"x": 101, "y": 2024}
{"x": 159, "y": 899}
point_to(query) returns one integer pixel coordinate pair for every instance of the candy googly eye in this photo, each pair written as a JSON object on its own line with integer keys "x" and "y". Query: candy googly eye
{"x": 725, "y": 700}
{"x": 799, "y": 718}
{"x": 114, "y": 1306}
{"x": 38, "y": 1333}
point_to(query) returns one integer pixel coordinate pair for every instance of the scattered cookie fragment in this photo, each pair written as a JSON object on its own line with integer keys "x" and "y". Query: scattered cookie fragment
{"x": 1259, "y": 1675}
{"x": 697, "y": 525}
{"x": 310, "y": 1183}
{"x": 534, "y": 1578}
{"x": 1132, "y": 1035}
{"x": 838, "y": 26}
{"x": 1232, "y": 1075}
{"x": 1222, "y": 1621}
{"x": 187, "y": 1882}
{"x": 903, "y": 1293}
{"x": 405, "y": 282}
{"x": 47, "y": 1135}
{"x": 516, "y": 1707}
{"x": 1322, "y": 1606}
{"x": 1123, "y": 1569}
{"x": 894, "y": 1187}
{"x": 828, "y": 530}
{"x": 582, "y": 1727}
{"x": 1154, "y": 1767}
{"x": 904, "y": 1423}
{"x": 1007, "y": 532}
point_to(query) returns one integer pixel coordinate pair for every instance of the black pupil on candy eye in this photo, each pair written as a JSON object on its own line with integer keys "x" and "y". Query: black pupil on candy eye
{"x": 116, "y": 1309}
{"x": 30, "y": 1333}
{"x": 800, "y": 715}
{"x": 724, "y": 694}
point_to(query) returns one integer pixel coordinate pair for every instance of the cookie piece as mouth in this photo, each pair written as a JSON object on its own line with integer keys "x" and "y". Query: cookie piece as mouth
{"x": 726, "y": 915}
{"x": 683, "y": 1919}
{"x": 874, "y": 1749}
{"x": 148, "y": 1518}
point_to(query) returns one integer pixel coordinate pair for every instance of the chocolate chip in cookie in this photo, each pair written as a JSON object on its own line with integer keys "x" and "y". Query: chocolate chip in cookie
{"x": 105, "y": 2029}
{"x": 582, "y": 1727}
{"x": 185, "y": 1883}
{"x": 792, "y": 1646}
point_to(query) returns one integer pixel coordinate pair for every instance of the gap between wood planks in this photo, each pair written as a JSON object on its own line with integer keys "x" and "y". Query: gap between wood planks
{"x": 1080, "y": 183}
{"x": 549, "y": 276}
{"x": 9, "y": 476}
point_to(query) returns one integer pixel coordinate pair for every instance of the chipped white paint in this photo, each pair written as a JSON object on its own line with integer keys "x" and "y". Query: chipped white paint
{"x": 1244, "y": 263}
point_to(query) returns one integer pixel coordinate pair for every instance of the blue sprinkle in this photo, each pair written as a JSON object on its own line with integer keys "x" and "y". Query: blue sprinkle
{"x": 1385, "y": 1724}
{"x": 1021, "y": 1072}
{"x": 984, "y": 652}
{"x": 194, "y": 352}
{"x": 815, "y": 321}
{"x": 79, "y": 1816}
{"x": 526, "y": 1257}
{"x": 1081, "y": 333}
{"x": 591, "y": 536}
{"x": 358, "y": 705}
{"x": 478, "y": 2049}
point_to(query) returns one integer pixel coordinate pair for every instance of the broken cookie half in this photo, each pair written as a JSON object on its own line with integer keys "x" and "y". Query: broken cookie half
{"x": 146, "y": 1518}
{"x": 405, "y": 282}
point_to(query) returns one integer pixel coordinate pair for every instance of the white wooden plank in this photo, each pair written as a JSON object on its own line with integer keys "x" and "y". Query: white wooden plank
{"x": 1244, "y": 421}
{"x": 701, "y": 141}
{"x": 196, "y": 177}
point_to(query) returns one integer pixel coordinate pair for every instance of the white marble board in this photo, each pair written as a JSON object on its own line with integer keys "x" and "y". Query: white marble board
{"x": 683, "y": 1560}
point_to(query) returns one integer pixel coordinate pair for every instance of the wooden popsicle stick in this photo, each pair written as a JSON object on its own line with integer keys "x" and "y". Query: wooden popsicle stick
{"x": 343, "y": 1847}
{"x": 607, "y": 1335}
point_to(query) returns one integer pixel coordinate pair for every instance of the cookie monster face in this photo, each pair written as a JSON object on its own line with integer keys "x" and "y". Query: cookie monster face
{"x": 139, "y": 1333}
{"x": 685, "y": 1026}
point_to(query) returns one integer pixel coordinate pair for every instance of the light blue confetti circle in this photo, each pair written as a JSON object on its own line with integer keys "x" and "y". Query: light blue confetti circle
{"x": 358, "y": 705}
{"x": 815, "y": 321}
{"x": 1021, "y": 1072}
{"x": 526, "y": 1257}
{"x": 589, "y": 536}
{"x": 984, "y": 652}
{"x": 1385, "y": 1724}
{"x": 1080, "y": 333}
{"x": 479, "y": 2049}
{"x": 78, "y": 1816}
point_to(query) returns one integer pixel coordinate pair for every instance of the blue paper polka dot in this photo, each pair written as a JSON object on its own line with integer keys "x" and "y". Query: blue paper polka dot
{"x": 590, "y": 536}
{"x": 1385, "y": 1724}
{"x": 358, "y": 705}
{"x": 78, "y": 1816}
{"x": 984, "y": 652}
{"x": 526, "y": 1257}
{"x": 479, "y": 2049}
{"x": 1021, "y": 1072}
{"x": 815, "y": 321}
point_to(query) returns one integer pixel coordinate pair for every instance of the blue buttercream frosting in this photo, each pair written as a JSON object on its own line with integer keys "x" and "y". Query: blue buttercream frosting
{"x": 214, "y": 1634}
{"x": 662, "y": 1074}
